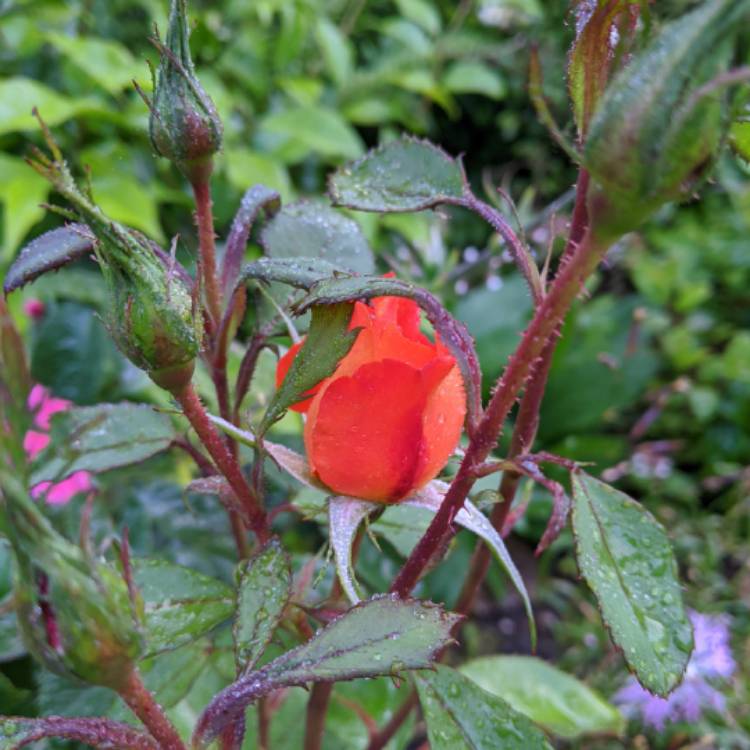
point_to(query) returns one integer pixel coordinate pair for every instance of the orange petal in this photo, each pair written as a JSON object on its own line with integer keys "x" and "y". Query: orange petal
{"x": 383, "y": 339}
{"x": 402, "y": 312}
{"x": 364, "y": 436}
{"x": 442, "y": 423}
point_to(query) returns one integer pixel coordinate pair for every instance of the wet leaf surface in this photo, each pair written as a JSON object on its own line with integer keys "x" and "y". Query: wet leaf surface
{"x": 180, "y": 604}
{"x": 557, "y": 701}
{"x": 626, "y": 558}
{"x": 98, "y": 733}
{"x": 382, "y": 636}
{"x": 315, "y": 230}
{"x": 404, "y": 175}
{"x": 263, "y": 592}
{"x": 328, "y": 342}
{"x": 345, "y": 514}
{"x": 102, "y": 437}
{"x": 49, "y": 252}
{"x": 462, "y": 716}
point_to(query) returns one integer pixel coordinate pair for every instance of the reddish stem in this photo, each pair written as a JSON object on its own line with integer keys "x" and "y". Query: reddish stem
{"x": 543, "y": 328}
{"x": 388, "y": 732}
{"x": 317, "y": 707}
{"x": 527, "y": 421}
{"x": 143, "y": 704}
{"x": 205, "y": 220}
{"x": 225, "y": 461}
{"x": 264, "y": 724}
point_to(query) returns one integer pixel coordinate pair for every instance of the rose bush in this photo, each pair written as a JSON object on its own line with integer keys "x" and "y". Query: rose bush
{"x": 387, "y": 420}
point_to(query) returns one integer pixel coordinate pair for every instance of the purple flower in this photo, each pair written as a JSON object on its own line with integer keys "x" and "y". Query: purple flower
{"x": 711, "y": 659}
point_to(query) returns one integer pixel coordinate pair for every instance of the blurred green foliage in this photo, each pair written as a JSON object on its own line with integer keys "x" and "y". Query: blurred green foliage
{"x": 651, "y": 381}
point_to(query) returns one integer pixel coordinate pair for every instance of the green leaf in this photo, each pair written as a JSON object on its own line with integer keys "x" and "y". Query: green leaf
{"x": 21, "y": 192}
{"x": 171, "y": 675}
{"x": 58, "y": 696}
{"x": 126, "y": 199}
{"x": 15, "y": 385}
{"x": 553, "y": 699}
{"x": 96, "y": 733}
{"x": 13, "y": 699}
{"x": 11, "y": 646}
{"x": 264, "y": 589}
{"x": 625, "y": 556}
{"x": 108, "y": 62}
{"x": 422, "y": 13}
{"x": 301, "y": 273}
{"x": 462, "y": 716}
{"x": 345, "y": 514}
{"x": 102, "y": 437}
{"x": 255, "y": 199}
{"x": 464, "y": 77}
{"x": 599, "y": 369}
{"x": 180, "y": 604}
{"x": 403, "y": 175}
{"x": 245, "y": 167}
{"x": 739, "y": 139}
{"x": 314, "y": 230}
{"x": 48, "y": 252}
{"x": 383, "y": 636}
{"x": 328, "y": 342}
{"x": 337, "y": 51}
{"x": 314, "y": 128}
{"x": 591, "y": 56}
{"x": 73, "y": 355}
{"x": 18, "y": 96}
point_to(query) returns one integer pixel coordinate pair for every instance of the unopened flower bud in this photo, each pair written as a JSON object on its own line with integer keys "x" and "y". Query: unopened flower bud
{"x": 184, "y": 125}
{"x": 660, "y": 123}
{"x": 152, "y": 313}
{"x": 152, "y": 320}
{"x": 75, "y": 614}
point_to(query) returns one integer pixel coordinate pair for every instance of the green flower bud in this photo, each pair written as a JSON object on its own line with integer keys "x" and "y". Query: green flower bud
{"x": 75, "y": 615}
{"x": 152, "y": 314}
{"x": 658, "y": 127}
{"x": 184, "y": 125}
{"x": 151, "y": 318}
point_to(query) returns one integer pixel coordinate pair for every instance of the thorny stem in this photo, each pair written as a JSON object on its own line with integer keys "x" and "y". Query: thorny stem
{"x": 543, "y": 328}
{"x": 317, "y": 707}
{"x": 518, "y": 250}
{"x": 522, "y": 440}
{"x": 527, "y": 421}
{"x": 143, "y": 704}
{"x": 205, "y": 220}
{"x": 205, "y": 466}
{"x": 225, "y": 461}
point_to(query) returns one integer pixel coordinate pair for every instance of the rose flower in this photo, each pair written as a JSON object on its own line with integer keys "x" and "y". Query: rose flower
{"x": 387, "y": 420}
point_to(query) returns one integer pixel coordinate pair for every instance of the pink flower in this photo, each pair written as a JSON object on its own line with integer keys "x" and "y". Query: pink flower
{"x": 43, "y": 405}
{"x": 34, "y": 308}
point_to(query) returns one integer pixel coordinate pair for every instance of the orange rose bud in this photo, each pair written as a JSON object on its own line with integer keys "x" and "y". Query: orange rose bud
{"x": 387, "y": 420}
